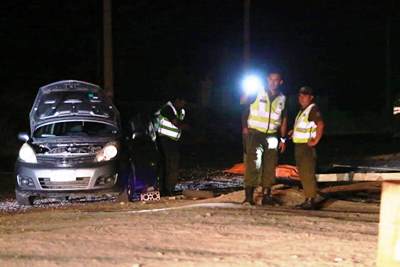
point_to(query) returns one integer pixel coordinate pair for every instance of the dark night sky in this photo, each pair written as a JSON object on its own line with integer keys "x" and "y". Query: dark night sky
{"x": 338, "y": 47}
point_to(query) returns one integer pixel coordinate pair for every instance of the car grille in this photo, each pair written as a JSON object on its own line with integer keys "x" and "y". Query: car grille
{"x": 79, "y": 183}
{"x": 66, "y": 161}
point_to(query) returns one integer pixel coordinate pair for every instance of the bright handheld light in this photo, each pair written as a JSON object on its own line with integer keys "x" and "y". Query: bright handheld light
{"x": 252, "y": 84}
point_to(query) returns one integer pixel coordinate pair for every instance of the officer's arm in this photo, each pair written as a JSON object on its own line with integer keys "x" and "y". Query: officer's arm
{"x": 284, "y": 124}
{"x": 283, "y": 128}
{"x": 316, "y": 117}
{"x": 320, "y": 131}
{"x": 170, "y": 115}
{"x": 245, "y": 103}
{"x": 245, "y": 116}
{"x": 179, "y": 123}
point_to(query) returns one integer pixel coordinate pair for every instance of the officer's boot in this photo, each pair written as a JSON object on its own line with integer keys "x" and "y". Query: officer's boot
{"x": 308, "y": 204}
{"x": 249, "y": 192}
{"x": 267, "y": 196}
{"x": 268, "y": 199}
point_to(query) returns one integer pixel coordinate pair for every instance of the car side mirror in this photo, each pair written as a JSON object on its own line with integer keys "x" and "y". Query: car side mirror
{"x": 23, "y": 136}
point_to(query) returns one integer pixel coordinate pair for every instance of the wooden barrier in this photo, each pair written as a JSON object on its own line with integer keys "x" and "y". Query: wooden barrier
{"x": 358, "y": 176}
{"x": 389, "y": 225}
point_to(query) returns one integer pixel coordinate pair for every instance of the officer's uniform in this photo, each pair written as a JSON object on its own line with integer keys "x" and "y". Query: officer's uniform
{"x": 265, "y": 117}
{"x": 305, "y": 128}
{"x": 168, "y": 137}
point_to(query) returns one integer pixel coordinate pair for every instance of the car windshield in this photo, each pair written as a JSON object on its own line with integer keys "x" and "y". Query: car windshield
{"x": 76, "y": 128}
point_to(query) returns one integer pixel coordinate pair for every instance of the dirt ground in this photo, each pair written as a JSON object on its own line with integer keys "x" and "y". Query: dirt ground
{"x": 182, "y": 232}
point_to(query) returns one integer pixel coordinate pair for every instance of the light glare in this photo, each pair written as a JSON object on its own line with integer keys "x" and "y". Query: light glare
{"x": 27, "y": 154}
{"x": 252, "y": 84}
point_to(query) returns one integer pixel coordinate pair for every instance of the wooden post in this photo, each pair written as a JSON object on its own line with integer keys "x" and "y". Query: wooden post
{"x": 107, "y": 49}
{"x": 389, "y": 225}
{"x": 246, "y": 34}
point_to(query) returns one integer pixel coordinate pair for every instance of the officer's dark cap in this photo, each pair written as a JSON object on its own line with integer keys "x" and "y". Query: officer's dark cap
{"x": 306, "y": 90}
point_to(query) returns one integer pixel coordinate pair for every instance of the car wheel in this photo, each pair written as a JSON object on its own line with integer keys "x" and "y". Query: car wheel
{"x": 24, "y": 198}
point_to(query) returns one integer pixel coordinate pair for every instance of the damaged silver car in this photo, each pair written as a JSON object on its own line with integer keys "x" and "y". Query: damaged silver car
{"x": 73, "y": 143}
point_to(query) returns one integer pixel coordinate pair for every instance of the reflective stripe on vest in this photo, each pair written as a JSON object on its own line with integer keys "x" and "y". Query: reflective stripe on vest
{"x": 165, "y": 126}
{"x": 304, "y": 129}
{"x": 265, "y": 116}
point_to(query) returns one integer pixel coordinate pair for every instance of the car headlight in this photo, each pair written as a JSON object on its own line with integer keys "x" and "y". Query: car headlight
{"x": 108, "y": 152}
{"x": 27, "y": 154}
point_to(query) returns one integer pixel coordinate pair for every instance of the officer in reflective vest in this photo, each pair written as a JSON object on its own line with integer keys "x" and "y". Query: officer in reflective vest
{"x": 265, "y": 127}
{"x": 169, "y": 125}
{"x": 307, "y": 132}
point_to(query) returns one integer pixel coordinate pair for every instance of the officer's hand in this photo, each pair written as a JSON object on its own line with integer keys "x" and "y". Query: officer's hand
{"x": 282, "y": 147}
{"x": 245, "y": 130}
{"x": 313, "y": 142}
{"x": 290, "y": 134}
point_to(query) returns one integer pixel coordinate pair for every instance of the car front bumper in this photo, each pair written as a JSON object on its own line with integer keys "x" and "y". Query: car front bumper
{"x": 37, "y": 179}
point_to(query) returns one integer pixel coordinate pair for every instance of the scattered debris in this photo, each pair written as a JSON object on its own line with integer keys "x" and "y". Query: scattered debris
{"x": 210, "y": 184}
{"x": 198, "y": 194}
{"x": 11, "y": 206}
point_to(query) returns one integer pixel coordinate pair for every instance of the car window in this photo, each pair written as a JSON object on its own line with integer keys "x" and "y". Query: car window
{"x": 76, "y": 128}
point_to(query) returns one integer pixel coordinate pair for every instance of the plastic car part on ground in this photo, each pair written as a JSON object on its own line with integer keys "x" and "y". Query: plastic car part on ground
{"x": 211, "y": 184}
{"x": 282, "y": 171}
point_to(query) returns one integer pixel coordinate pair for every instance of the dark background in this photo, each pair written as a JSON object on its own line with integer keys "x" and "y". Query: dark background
{"x": 339, "y": 48}
{"x": 165, "y": 47}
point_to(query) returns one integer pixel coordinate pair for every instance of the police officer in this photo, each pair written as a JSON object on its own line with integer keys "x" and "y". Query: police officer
{"x": 265, "y": 128}
{"x": 169, "y": 125}
{"x": 307, "y": 132}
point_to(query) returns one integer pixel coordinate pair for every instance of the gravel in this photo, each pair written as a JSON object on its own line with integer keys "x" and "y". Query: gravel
{"x": 12, "y": 206}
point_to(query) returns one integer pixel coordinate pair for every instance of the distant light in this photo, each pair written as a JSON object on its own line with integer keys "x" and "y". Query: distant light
{"x": 252, "y": 84}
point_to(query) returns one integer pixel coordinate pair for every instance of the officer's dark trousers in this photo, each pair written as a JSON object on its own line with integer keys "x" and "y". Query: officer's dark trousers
{"x": 260, "y": 161}
{"x": 306, "y": 161}
{"x": 244, "y": 140}
{"x": 169, "y": 164}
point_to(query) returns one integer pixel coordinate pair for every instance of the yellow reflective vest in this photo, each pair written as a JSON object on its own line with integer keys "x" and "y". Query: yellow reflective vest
{"x": 165, "y": 127}
{"x": 304, "y": 130}
{"x": 266, "y": 116}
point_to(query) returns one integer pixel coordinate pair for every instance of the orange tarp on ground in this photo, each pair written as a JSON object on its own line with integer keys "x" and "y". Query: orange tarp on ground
{"x": 282, "y": 171}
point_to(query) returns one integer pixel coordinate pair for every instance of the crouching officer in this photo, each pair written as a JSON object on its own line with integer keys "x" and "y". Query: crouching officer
{"x": 266, "y": 116}
{"x": 307, "y": 132}
{"x": 169, "y": 125}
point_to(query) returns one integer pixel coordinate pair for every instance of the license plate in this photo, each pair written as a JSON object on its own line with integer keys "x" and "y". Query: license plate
{"x": 63, "y": 176}
{"x": 150, "y": 196}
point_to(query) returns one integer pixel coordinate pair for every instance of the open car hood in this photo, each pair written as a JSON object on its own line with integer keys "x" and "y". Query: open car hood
{"x": 71, "y": 100}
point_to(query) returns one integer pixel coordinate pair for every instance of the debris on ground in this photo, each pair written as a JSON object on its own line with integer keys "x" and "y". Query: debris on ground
{"x": 218, "y": 182}
{"x": 198, "y": 194}
{"x": 11, "y": 205}
{"x": 221, "y": 183}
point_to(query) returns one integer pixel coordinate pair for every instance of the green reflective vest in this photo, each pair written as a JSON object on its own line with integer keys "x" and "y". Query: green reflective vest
{"x": 266, "y": 116}
{"x": 304, "y": 130}
{"x": 165, "y": 127}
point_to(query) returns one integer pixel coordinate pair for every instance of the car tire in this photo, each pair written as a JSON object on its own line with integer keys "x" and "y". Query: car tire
{"x": 23, "y": 198}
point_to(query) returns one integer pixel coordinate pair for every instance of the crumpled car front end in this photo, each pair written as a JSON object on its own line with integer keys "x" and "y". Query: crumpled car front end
{"x": 73, "y": 146}
{"x": 61, "y": 169}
